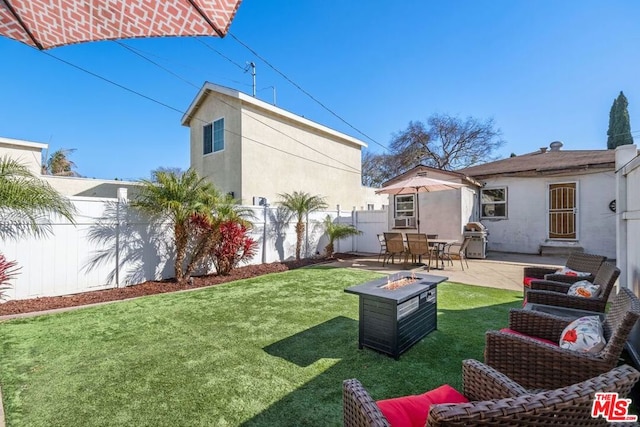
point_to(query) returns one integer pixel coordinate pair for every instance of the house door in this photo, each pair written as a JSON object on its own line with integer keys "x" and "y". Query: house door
{"x": 562, "y": 211}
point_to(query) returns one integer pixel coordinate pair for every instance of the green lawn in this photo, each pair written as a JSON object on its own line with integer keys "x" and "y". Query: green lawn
{"x": 269, "y": 351}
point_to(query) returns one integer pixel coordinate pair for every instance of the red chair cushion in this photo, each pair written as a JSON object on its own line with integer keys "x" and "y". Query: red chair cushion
{"x": 409, "y": 411}
{"x": 514, "y": 332}
{"x": 527, "y": 281}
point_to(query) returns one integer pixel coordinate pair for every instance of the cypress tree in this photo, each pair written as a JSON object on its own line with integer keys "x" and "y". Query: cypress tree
{"x": 619, "y": 132}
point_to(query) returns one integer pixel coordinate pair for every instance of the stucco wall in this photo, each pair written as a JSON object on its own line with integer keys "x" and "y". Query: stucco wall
{"x": 525, "y": 229}
{"x": 281, "y": 156}
{"x": 222, "y": 168}
{"x": 27, "y": 153}
{"x": 87, "y": 187}
{"x": 633, "y": 228}
{"x": 444, "y": 213}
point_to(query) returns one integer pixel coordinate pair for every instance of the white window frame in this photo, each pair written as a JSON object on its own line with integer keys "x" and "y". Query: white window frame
{"x": 504, "y": 202}
{"x": 396, "y": 202}
{"x": 213, "y": 137}
{"x": 204, "y": 142}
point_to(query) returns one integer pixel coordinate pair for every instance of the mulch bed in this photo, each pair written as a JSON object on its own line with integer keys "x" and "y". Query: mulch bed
{"x": 153, "y": 287}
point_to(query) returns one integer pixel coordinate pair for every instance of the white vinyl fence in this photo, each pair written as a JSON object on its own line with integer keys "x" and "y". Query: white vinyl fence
{"x": 111, "y": 245}
{"x": 628, "y": 228}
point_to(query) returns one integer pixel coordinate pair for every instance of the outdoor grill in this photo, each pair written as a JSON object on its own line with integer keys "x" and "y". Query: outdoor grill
{"x": 397, "y": 312}
{"x": 477, "y": 247}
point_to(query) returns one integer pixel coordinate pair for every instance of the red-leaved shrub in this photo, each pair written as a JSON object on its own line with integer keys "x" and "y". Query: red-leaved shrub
{"x": 232, "y": 247}
{"x": 8, "y": 271}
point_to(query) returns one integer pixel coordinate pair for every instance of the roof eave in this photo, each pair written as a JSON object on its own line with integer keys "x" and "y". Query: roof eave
{"x": 210, "y": 87}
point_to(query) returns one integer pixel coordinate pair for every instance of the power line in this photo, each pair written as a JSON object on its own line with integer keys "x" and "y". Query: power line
{"x": 154, "y": 63}
{"x": 182, "y": 65}
{"x": 305, "y": 92}
{"x": 220, "y": 53}
{"x": 113, "y": 83}
{"x": 237, "y": 109}
{"x": 200, "y": 120}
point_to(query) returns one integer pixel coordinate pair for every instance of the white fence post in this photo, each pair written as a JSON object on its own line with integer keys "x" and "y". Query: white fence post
{"x": 122, "y": 198}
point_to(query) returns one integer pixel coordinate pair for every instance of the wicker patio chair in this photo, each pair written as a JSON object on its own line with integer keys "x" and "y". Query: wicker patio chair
{"x": 496, "y": 400}
{"x": 536, "y": 364}
{"x": 395, "y": 246}
{"x": 418, "y": 247}
{"x": 577, "y": 261}
{"x": 555, "y": 293}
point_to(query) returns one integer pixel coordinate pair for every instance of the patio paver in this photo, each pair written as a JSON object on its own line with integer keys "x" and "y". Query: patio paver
{"x": 499, "y": 270}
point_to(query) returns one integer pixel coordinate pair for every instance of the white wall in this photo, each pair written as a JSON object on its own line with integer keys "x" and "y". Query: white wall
{"x": 444, "y": 213}
{"x": 26, "y": 152}
{"x": 628, "y": 229}
{"x": 90, "y": 187}
{"x": 525, "y": 229}
{"x": 628, "y": 216}
{"x": 83, "y": 257}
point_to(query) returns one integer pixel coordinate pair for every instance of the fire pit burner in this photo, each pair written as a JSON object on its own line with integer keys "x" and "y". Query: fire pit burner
{"x": 397, "y": 312}
{"x": 399, "y": 283}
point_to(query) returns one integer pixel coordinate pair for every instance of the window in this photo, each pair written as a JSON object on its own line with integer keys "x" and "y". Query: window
{"x": 213, "y": 137}
{"x": 218, "y": 135}
{"x": 208, "y": 139}
{"x": 493, "y": 203}
{"x": 404, "y": 206}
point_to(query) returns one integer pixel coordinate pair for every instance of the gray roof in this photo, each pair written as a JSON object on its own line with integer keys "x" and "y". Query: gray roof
{"x": 546, "y": 163}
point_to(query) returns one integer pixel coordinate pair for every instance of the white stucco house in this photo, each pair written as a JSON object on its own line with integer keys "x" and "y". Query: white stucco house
{"x": 252, "y": 150}
{"x": 444, "y": 213}
{"x": 29, "y": 153}
{"x": 549, "y": 201}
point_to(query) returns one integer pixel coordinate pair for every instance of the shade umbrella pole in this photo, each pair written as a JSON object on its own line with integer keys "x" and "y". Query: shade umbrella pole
{"x": 418, "y": 209}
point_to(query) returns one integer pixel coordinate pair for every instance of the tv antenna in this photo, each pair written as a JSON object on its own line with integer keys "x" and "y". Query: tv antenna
{"x": 252, "y": 65}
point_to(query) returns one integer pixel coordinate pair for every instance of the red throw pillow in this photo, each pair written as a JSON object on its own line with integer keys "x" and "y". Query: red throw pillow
{"x": 527, "y": 281}
{"x": 410, "y": 411}
{"x": 514, "y": 332}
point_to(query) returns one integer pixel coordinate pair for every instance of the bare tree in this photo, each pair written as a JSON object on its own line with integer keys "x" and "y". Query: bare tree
{"x": 443, "y": 142}
{"x": 378, "y": 168}
{"x": 448, "y": 143}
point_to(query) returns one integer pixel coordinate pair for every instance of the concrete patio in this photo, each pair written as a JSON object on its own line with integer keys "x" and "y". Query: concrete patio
{"x": 499, "y": 270}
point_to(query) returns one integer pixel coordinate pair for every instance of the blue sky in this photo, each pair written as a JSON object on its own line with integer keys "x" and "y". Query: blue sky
{"x": 543, "y": 70}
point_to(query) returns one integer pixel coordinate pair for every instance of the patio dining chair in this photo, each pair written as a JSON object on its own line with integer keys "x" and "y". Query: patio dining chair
{"x": 395, "y": 246}
{"x": 383, "y": 246}
{"x": 418, "y": 247}
{"x": 550, "y": 292}
{"x": 457, "y": 250}
{"x": 489, "y": 398}
{"x": 528, "y": 351}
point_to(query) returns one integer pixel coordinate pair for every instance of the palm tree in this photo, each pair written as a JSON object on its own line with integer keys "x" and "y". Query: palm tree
{"x": 300, "y": 204}
{"x": 58, "y": 163}
{"x": 26, "y": 201}
{"x": 178, "y": 198}
{"x": 336, "y": 231}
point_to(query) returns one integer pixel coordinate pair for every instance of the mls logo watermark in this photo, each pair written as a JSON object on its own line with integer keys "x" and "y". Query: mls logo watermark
{"x": 612, "y": 408}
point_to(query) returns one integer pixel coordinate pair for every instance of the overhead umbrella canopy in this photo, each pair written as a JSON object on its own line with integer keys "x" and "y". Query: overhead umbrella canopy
{"x": 51, "y": 23}
{"x": 417, "y": 184}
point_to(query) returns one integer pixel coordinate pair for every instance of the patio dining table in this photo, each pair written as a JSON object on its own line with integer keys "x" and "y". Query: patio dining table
{"x": 440, "y": 244}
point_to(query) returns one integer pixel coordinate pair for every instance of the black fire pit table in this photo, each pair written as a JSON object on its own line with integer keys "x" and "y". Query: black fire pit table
{"x": 397, "y": 311}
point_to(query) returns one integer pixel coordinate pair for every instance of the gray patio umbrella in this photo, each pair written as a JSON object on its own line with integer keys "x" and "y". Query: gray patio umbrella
{"x": 416, "y": 184}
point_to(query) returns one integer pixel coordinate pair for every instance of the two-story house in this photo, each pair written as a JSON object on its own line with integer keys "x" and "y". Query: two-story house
{"x": 252, "y": 149}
